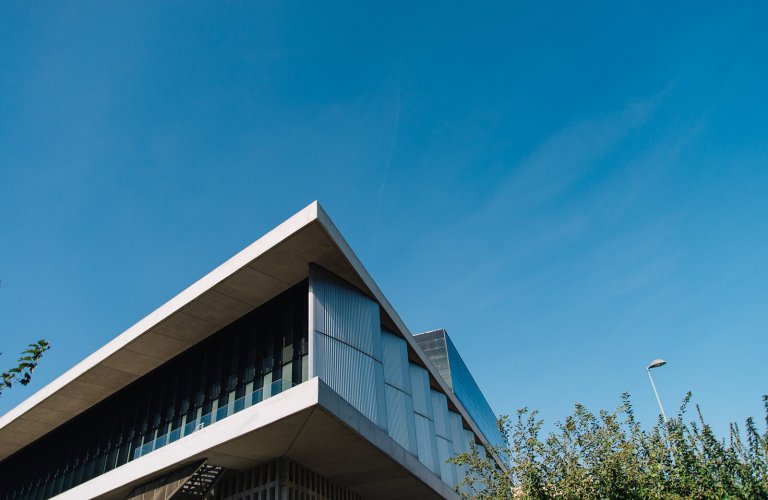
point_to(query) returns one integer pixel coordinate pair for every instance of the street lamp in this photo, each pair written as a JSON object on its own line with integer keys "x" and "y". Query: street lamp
{"x": 655, "y": 364}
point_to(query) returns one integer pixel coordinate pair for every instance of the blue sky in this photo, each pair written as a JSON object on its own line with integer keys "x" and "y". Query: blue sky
{"x": 571, "y": 190}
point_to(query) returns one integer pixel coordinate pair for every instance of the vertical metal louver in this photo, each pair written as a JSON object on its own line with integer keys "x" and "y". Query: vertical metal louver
{"x": 456, "y": 429}
{"x": 469, "y": 438}
{"x": 458, "y": 440}
{"x": 357, "y": 378}
{"x": 397, "y": 384}
{"x": 395, "y": 354}
{"x": 347, "y": 344}
{"x": 443, "y": 435}
{"x": 400, "y": 420}
{"x": 426, "y": 439}
{"x": 344, "y": 313}
{"x": 444, "y": 453}
{"x": 370, "y": 368}
{"x": 440, "y": 412}
{"x": 422, "y": 399}
{"x": 426, "y": 442}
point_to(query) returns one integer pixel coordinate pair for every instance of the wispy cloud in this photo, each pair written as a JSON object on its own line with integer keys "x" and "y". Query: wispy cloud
{"x": 391, "y": 150}
{"x": 387, "y": 165}
{"x": 563, "y": 158}
{"x": 551, "y": 231}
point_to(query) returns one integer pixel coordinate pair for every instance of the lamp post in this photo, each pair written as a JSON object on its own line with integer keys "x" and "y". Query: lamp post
{"x": 655, "y": 364}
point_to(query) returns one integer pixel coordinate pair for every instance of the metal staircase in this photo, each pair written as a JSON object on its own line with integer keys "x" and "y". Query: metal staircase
{"x": 199, "y": 483}
{"x": 191, "y": 482}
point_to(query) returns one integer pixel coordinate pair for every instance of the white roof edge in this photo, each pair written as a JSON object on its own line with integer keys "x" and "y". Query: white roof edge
{"x": 280, "y": 233}
{"x": 309, "y": 214}
{"x": 302, "y": 397}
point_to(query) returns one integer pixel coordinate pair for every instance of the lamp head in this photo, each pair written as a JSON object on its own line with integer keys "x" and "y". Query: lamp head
{"x": 656, "y": 363}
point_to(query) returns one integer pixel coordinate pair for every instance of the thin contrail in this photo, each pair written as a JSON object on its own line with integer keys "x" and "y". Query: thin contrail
{"x": 390, "y": 155}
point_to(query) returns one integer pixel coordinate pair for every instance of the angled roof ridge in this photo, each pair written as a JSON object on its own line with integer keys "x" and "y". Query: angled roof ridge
{"x": 219, "y": 297}
{"x": 240, "y": 260}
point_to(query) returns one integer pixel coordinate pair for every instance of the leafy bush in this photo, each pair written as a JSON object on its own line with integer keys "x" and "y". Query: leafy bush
{"x": 609, "y": 455}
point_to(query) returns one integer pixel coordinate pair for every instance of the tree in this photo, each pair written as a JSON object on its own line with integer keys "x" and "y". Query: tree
{"x": 609, "y": 455}
{"x": 22, "y": 373}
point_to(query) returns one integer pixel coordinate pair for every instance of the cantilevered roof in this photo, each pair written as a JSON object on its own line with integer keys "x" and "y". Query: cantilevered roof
{"x": 267, "y": 267}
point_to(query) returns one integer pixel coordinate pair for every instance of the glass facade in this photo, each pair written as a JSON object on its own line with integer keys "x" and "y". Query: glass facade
{"x": 442, "y": 353}
{"x": 257, "y": 356}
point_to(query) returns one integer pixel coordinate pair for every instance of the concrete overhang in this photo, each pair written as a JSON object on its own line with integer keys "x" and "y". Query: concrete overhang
{"x": 267, "y": 267}
{"x": 309, "y": 424}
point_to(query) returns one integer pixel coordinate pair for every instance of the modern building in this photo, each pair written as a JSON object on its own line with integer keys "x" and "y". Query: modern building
{"x": 439, "y": 348}
{"x": 283, "y": 373}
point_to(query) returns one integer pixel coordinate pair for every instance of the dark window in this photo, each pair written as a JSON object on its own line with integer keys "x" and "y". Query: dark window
{"x": 223, "y": 374}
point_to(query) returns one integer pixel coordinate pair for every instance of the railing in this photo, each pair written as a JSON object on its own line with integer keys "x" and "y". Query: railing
{"x": 235, "y": 406}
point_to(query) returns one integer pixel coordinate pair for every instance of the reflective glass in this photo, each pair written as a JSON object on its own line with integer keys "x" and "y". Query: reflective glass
{"x": 222, "y": 375}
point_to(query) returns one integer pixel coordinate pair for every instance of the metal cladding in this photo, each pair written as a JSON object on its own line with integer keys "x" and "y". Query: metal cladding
{"x": 459, "y": 441}
{"x": 426, "y": 442}
{"x": 396, "y": 371}
{"x": 397, "y": 385}
{"x": 445, "y": 453}
{"x": 347, "y": 344}
{"x": 426, "y": 438}
{"x": 415, "y": 415}
{"x": 370, "y": 368}
{"x": 440, "y": 412}
{"x": 444, "y": 438}
{"x": 356, "y": 377}
{"x": 469, "y": 439}
{"x": 400, "y": 423}
{"x": 439, "y": 348}
{"x": 432, "y": 343}
{"x": 422, "y": 398}
{"x": 457, "y": 433}
{"x": 345, "y": 314}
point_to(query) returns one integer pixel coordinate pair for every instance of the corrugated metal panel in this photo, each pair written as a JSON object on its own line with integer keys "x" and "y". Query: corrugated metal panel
{"x": 426, "y": 442}
{"x": 469, "y": 437}
{"x": 440, "y": 413}
{"x": 380, "y": 395}
{"x": 343, "y": 312}
{"x": 444, "y": 453}
{"x": 400, "y": 420}
{"x": 433, "y": 345}
{"x": 459, "y": 441}
{"x": 422, "y": 400}
{"x": 357, "y": 377}
{"x": 395, "y": 354}
{"x": 456, "y": 429}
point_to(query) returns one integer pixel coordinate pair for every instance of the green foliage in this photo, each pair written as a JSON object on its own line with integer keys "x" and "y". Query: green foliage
{"x": 609, "y": 455}
{"x": 22, "y": 373}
